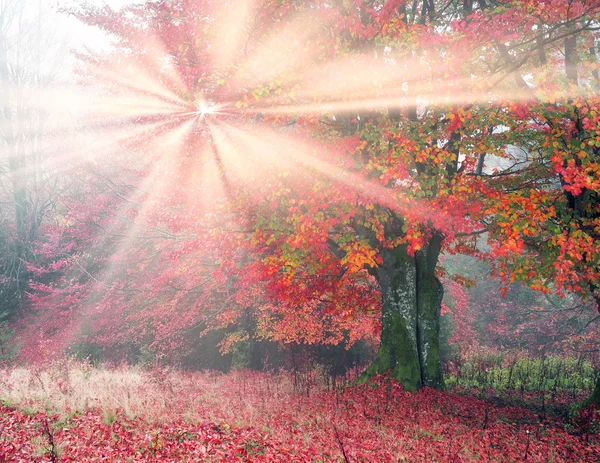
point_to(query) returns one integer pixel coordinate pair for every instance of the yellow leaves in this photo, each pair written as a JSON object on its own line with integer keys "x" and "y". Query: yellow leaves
{"x": 241, "y": 104}
{"x": 358, "y": 255}
{"x": 527, "y": 231}
{"x": 232, "y": 339}
{"x": 156, "y": 442}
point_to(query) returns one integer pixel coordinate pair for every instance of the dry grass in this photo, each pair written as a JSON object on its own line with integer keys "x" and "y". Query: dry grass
{"x": 159, "y": 415}
{"x": 155, "y": 395}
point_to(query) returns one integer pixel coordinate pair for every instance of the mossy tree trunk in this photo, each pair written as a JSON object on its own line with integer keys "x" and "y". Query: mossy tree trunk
{"x": 410, "y": 318}
{"x": 594, "y": 399}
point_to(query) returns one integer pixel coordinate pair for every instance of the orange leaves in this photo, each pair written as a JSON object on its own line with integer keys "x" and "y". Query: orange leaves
{"x": 415, "y": 238}
{"x": 434, "y": 156}
{"x": 230, "y": 341}
{"x": 360, "y": 254}
{"x": 512, "y": 245}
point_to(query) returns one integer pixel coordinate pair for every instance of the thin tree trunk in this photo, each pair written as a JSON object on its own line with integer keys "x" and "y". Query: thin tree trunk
{"x": 540, "y": 49}
{"x": 571, "y": 59}
{"x": 594, "y": 399}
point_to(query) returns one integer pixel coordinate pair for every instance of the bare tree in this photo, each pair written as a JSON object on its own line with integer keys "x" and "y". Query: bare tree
{"x": 31, "y": 55}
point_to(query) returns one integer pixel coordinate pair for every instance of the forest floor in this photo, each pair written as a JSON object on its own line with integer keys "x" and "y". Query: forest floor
{"x": 76, "y": 413}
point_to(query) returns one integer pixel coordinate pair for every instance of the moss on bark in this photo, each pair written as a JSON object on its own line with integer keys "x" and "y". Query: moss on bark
{"x": 411, "y": 299}
{"x": 429, "y": 302}
{"x": 398, "y": 352}
{"x": 594, "y": 399}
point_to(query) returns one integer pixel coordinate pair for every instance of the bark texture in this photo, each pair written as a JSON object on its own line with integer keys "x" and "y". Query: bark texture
{"x": 594, "y": 399}
{"x": 410, "y": 324}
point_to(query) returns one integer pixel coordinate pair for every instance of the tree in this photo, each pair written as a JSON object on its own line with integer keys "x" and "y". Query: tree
{"x": 30, "y": 54}
{"x": 8, "y": 346}
{"x": 327, "y": 152}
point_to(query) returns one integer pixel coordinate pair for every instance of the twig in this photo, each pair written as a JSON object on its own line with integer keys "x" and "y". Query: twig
{"x": 50, "y": 438}
{"x": 340, "y": 443}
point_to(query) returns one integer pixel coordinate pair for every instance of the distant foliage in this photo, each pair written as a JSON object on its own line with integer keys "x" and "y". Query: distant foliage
{"x": 486, "y": 317}
{"x": 513, "y": 372}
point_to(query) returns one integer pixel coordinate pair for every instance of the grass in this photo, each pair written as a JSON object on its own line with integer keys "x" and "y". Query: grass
{"x": 156, "y": 395}
{"x": 126, "y": 413}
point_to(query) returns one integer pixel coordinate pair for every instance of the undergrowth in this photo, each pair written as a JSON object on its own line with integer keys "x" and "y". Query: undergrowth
{"x": 73, "y": 412}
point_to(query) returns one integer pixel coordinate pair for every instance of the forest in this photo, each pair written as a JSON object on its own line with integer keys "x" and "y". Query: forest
{"x": 300, "y": 230}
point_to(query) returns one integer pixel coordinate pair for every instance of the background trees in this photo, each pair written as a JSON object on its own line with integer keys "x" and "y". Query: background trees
{"x": 30, "y": 58}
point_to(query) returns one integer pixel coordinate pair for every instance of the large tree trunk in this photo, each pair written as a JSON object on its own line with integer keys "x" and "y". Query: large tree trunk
{"x": 410, "y": 317}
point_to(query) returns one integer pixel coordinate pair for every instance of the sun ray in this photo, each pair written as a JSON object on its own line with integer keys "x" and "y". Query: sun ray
{"x": 159, "y": 58}
{"x": 288, "y": 49}
{"x": 63, "y": 148}
{"x": 354, "y": 106}
{"x": 135, "y": 78}
{"x": 291, "y": 153}
{"x": 148, "y": 194}
{"x": 230, "y": 31}
{"x": 368, "y": 82}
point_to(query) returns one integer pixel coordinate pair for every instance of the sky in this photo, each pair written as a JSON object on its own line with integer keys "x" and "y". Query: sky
{"x": 79, "y": 34}
{"x": 64, "y": 34}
